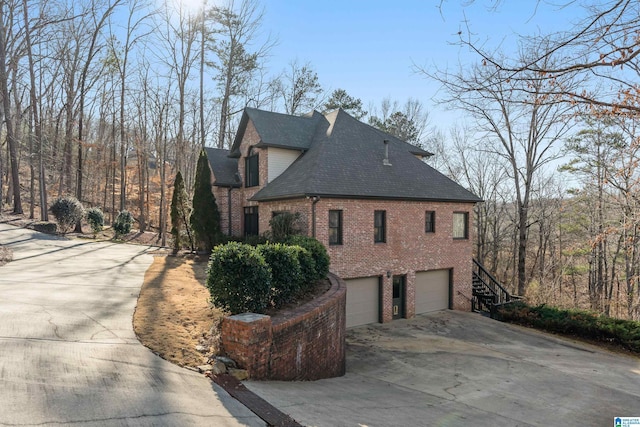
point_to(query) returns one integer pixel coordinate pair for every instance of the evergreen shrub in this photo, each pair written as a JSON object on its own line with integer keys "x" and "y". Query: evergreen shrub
{"x": 122, "y": 224}
{"x": 239, "y": 278}
{"x": 317, "y": 251}
{"x": 286, "y": 274}
{"x": 95, "y": 218}
{"x": 67, "y": 211}
{"x": 580, "y": 323}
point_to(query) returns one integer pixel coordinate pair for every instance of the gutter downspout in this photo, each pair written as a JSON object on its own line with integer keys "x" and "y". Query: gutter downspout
{"x": 314, "y": 201}
{"x": 229, "y": 209}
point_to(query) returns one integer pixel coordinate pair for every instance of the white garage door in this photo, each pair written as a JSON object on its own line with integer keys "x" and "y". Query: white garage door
{"x": 363, "y": 301}
{"x": 432, "y": 291}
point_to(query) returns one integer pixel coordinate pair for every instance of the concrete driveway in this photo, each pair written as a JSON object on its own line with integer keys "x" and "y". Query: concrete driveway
{"x": 452, "y": 369}
{"x": 68, "y": 353}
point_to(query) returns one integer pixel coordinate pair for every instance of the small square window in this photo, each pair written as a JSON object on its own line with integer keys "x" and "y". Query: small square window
{"x": 335, "y": 227}
{"x": 430, "y": 222}
{"x": 380, "y": 226}
{"x": 461, "y": 225}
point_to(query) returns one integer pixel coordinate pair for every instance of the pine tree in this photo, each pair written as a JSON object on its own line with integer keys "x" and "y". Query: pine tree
{"x": 205, "y": 218}
{"x": 179, "y": 212}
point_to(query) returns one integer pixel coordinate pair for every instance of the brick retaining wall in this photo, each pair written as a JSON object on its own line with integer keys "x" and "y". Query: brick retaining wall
{"x": 305, "y": 343}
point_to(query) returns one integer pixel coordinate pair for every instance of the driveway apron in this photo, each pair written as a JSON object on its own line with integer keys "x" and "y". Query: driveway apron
{"x": 461, "y": 369}
{"x": 68, "y": 352}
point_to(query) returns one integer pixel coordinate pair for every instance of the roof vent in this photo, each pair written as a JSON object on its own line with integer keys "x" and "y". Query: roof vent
{"x": 386, "y": 161}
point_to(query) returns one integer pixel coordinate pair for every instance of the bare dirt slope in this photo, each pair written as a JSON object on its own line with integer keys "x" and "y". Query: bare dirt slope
{"x": 173, "y": 317}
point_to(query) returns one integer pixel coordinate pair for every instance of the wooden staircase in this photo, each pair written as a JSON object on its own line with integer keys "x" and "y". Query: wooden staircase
{"x": 487, "y": 292}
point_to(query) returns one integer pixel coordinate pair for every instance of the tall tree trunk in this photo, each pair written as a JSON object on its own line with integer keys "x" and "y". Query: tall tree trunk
{"x": 37, "y": 117}
{"x": 4, "y": 92}
{"x": 202, "y": 60}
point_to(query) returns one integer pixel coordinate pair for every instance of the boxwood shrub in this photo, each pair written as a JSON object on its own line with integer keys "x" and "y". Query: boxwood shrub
{"x": 580, "y": 323}
{"x": 317, "y": 251}
{"x": 307, "y": 267}
{"x": 286, "y": 274}
{"x": 239, "y": 278}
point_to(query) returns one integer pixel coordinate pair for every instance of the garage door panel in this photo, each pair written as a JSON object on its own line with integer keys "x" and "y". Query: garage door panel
{"x": 363, "y": 301}
{"x": 432, "y": 291}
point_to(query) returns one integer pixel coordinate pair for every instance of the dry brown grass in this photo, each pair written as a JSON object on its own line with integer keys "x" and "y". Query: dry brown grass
{"x": 174, "y": 315}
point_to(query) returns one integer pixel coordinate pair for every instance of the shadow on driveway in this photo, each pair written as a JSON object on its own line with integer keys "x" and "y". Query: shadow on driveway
{"x": 68, "y": 352}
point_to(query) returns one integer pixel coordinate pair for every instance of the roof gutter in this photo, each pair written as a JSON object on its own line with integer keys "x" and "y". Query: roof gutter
{"x": 364, "y": 197}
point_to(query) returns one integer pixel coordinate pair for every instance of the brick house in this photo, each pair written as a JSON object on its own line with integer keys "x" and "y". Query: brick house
{"x": 396, "y": 229}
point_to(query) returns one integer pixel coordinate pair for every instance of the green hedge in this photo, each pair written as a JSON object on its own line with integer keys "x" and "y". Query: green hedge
{"x": 585, "y": 324}
{"x": 307, "y": 267}
{"x": 239, "y": 279}
{"x": 317, "y": 251}
{"x": 245, "y": 278}
{"x": 286, "y": 274}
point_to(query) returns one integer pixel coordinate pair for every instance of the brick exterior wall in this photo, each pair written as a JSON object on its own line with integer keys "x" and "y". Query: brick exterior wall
{"x": 307, "y": 343}
{"x": 408, "y": 249}
{"x": 222, "y": 196}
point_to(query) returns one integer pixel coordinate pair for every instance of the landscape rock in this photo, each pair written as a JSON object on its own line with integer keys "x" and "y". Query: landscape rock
{"x": 203, "y": 369}
{"x": 239, "y": 374}
{"x": 217, "y": 368}
{"x": 202, "y": 348}
{"x": 229, "y": 363}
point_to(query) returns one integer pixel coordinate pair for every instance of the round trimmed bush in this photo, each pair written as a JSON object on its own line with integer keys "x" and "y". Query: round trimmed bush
{"x": 286, "y": 274}
{"x": 67, "y": 211}
{"x": 122, "y": 224}
{"x": 239, "y": 278}
{"x": 318, "y": 252}
{"x": 95, "y": 218}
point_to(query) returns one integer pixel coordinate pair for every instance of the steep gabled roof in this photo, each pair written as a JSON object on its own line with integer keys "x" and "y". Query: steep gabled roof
{"x": 225, "y": 169}
{"x": 277, "y": 130}
{"x": 346, "y": 159}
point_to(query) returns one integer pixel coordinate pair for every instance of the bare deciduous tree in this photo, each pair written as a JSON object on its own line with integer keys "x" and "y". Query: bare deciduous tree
{"x": 523, "y": 121}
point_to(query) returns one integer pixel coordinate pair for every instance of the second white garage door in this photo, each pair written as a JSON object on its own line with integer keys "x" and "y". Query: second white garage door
{"x": 363, "y": 301}
{"x": 432, "y": 291}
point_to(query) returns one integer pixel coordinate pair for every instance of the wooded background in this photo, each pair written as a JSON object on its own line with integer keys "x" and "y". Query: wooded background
{"x": 107, "y": 100}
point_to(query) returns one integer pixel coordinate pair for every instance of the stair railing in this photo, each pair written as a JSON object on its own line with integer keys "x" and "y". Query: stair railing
{"x": 491, "y": 284}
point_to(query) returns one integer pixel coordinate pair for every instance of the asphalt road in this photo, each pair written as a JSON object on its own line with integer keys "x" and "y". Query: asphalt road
{"x": 68, "y": 353}
{"x": 461, "y": 369}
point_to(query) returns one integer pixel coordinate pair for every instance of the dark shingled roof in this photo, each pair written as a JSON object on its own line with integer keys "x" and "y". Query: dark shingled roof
{"x": 345, "y": 158}
{"x": 225, "y": 169}
{"x": 278, "y": 130}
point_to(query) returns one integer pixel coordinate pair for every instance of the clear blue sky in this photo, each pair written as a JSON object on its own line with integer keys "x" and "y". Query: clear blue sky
{"x": 369, "y": 47}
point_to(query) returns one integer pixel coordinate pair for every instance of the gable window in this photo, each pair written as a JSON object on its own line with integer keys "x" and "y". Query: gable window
{"x": 251, "y": 221}
{"x": 461, "y": 225}
{"x": 335, "y": 227}
{"x": 430, "y": 222}
{"x": 251, "y": 170}
{"x": 380, "y": 226}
